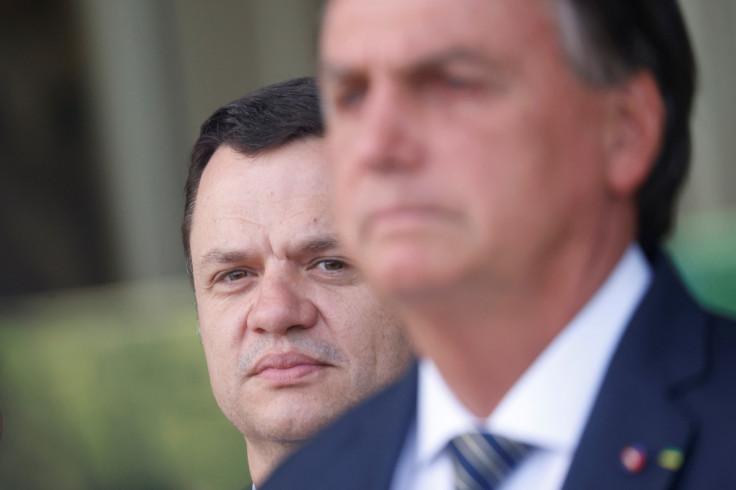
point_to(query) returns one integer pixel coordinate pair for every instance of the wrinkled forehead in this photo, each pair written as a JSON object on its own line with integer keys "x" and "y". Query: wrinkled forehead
{"x": 291, "y": 182}
{"x": 358, "y": 32}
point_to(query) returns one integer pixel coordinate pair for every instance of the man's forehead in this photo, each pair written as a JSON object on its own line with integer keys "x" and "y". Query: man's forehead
{"x": 414, "y": 31}
{"x": 289, "y": 174}
{"x": 284, "y": 191}
{"x": 264, "y": 214}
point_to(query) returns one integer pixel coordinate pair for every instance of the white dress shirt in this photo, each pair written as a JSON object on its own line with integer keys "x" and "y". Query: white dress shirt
{"x": 548, "y": 405}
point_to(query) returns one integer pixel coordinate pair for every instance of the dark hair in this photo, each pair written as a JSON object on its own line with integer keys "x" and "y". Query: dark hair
{"x": 265, "y": 119}
{"x": 609, "y": 41}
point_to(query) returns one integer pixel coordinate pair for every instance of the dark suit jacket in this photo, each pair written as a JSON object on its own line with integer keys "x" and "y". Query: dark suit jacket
{"x": 670, "y": 384}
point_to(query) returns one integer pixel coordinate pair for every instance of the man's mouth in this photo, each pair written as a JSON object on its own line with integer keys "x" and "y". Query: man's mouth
{"x": 404, "y": 218}
{"x": 285, "y": 367}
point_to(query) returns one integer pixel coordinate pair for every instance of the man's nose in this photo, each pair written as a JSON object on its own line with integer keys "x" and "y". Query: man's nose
{"x": 282, "y": 303}
{"x": 386, "y": 139}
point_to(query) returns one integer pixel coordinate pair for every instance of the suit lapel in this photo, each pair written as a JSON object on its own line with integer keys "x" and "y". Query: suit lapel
{"x": 382, "y": 435}
{"x": 660, "y": 357}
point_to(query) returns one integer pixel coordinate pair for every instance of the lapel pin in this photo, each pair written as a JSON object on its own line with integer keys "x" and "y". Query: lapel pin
{"x": 670, "y": 458}
{"x": 633, "y": 458}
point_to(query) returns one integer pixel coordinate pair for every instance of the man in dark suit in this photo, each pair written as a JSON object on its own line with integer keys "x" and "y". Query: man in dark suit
{"x": 506, "y": 171}
{"x": 292, "y": 334}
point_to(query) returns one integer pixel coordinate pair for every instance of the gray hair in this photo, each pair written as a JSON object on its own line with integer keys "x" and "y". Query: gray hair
{"x": 606, "y": 42}
{"x": 589, "y": 50}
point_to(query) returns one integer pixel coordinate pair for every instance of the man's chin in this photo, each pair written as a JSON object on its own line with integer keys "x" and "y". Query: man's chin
{"x": 294, "y": 429}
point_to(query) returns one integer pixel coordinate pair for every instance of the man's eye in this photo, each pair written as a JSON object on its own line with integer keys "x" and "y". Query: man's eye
{"x": 457, "y": 83}
{"x": 332, "y": 265}
{"x": 236, "y": 275}
{"x": 448, "y": 82}
{"x": 348, "y": 98}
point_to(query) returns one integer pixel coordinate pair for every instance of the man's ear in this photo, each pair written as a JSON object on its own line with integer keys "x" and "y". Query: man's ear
{"x": 637, "y": 114}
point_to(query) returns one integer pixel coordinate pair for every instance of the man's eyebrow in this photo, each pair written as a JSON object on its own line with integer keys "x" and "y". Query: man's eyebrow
{"x": 310, "y": 244}
{"x": 321, "y": 244}
{"x": 220, "y": 256}
{"x": 451, "y": 55}
{"x": 328, "y": 71}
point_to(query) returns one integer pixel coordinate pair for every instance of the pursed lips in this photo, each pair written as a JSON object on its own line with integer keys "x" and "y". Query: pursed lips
{"x": 285, "y": 366}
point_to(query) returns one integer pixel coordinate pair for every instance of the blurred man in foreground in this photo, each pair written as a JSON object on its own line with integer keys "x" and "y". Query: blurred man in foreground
{"x": 291, "y": 333}
{"x": 506, "y": 172}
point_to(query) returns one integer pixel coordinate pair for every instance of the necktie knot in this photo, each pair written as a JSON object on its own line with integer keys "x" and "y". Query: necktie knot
{"x": 482, "y": 461}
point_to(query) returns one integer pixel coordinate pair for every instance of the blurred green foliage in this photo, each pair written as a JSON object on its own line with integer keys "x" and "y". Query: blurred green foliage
{"x": 704, "y": 249}
{"x": 109, "y": 389}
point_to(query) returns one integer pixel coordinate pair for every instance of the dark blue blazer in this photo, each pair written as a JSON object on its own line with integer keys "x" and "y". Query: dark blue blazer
{"x": 670, "y": 385}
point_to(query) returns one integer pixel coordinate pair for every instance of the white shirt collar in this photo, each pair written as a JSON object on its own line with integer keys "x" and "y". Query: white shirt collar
{"x": 549, "y": 405}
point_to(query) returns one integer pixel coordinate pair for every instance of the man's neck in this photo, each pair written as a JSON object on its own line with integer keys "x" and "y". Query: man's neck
{"x": 483, "y": 337}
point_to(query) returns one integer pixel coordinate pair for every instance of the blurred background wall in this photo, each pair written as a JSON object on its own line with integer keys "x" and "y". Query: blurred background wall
{"x": 102, "y": 379}
{"x": 100, "y": 101}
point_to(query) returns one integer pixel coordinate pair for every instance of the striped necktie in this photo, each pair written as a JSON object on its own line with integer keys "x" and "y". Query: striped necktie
{"x": 483, "y": 461}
